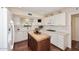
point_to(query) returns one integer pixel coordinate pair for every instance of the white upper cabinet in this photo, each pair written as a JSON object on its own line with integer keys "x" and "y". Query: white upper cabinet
{"x": 59, "y": 19}
{"x": 44, "y": 21}
{"x": 50, "y": 20}
{"x": 35, "y": 22}
{"x": 56, "y": 20}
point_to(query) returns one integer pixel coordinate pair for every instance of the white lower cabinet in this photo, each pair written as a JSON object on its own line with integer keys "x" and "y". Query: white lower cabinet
{"x": 54, "y": 39}
{"x": 58, "y": 40}
{"x": 21, "y": 34}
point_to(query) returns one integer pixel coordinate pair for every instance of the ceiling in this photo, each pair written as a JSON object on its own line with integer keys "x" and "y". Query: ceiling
{"x": 41, "y": 10}
{"x": 36, "y": 11}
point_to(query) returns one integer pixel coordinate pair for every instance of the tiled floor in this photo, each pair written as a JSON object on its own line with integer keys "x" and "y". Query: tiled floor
{"x": 23, "y": 46}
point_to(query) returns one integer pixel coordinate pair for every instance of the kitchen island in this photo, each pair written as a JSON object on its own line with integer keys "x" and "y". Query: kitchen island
{"x": 38, "y": 41}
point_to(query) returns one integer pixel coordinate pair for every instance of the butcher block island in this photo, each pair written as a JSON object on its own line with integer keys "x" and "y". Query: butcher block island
{"x": 38, "y": 41}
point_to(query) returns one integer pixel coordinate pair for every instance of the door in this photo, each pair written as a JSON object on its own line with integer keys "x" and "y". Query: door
{"x": 75, "y": 31}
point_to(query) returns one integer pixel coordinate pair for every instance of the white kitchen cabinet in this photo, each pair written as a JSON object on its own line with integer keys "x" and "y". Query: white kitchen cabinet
{"x": 62, "y": 40}
{"x": 44, "y": 21}
{"x": 49, "y": 22}
{"x": 56, "y": 20}
{"x": 20, "y": 36}
{"x": 34, "y": 22}
{"x": 59, "y": 40}
{"x": 54, "y": 39}
{"x": 21, "y": 33}
{"x": 59, "y": 19}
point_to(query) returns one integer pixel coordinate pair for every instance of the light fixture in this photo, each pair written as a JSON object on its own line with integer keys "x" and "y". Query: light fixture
{"x": 30, "y": 14}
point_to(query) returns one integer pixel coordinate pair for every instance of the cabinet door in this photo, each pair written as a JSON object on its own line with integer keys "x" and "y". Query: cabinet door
{"x": 34, "y": 22}
{"x": 21, "y": 34}
{"x": 54, "y": 39}
{"x": 59, "y": 19}
{"x": 49, "y": 20}
{"x": 25, "y": 33}
{"x": 61, "y": 42}
{"x": 58, "y": 40}
{"x": 44, "y": 21}
{"x": 18, "y": 36}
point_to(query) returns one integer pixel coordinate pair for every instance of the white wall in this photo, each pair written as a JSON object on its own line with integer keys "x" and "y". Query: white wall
{"x": 17, "y": 20}
{"x": 4, "y": 29}
{"x": 5, "y": 17}
{"x": 0, "y": 28}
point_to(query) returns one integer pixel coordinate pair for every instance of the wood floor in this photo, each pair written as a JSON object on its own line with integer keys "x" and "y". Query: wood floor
{"x": 23, "y": 46}
{"x": 75, "y": 46}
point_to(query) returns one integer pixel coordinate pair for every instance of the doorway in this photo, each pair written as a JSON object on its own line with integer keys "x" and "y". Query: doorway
{"x": 75, "y": 31}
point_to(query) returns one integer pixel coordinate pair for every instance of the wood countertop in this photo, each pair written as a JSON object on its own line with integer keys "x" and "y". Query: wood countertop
{"x": 39, "y": 37}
